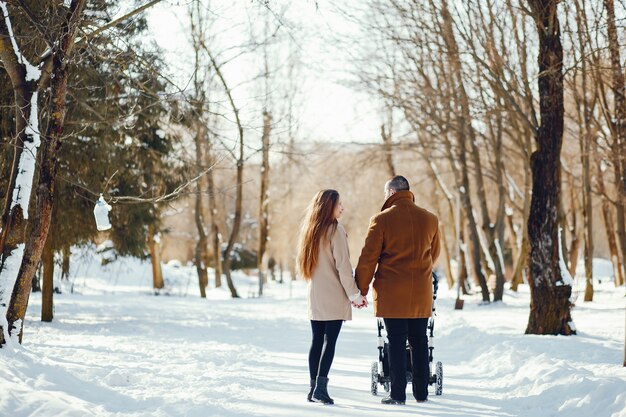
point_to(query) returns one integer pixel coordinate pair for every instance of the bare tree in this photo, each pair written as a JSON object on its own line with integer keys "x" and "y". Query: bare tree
{"x": 239, "y": 157}
{"x": 617, "y": 124}
{"x": 264, "y": 199}
{"x": 550, "y": 285}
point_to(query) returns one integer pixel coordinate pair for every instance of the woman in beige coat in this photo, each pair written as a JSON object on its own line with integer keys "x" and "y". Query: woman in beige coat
{"x": 324, "y": 261}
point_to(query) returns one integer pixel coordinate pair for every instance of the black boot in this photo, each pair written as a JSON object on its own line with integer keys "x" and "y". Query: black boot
{"x": 391, "y": 401}
{"x": 309, "y": 397}
{"x": 320, "y": 394}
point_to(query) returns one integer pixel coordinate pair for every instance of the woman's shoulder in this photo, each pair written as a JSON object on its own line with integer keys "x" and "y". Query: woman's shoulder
{"x": 340, "y": 234}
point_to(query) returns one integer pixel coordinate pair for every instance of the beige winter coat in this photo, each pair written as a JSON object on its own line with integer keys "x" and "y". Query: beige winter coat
{"x": 332, "y": 283}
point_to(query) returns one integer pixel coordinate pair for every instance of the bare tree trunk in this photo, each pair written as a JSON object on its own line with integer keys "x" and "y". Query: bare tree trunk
{"x": 13, "y": 224}
{"x": 550, "y": 293}
{"x": 467, "y": 134}
{"x": 574, "y": 247}
{"x": 513, "y": 236}
{"x": 215, "y": 232}
{"x": 619, "y": 125}
{"x": 436, "y": 178}
{"x": 200, "y": 254}
{"x": 462, "y": 274}
{"x": 65, "y": 263}
{"x": 388, "y": 149}
{"x": 264, "y": 199}
{"x": 518, "y": 271}
{"x": 239, "y": 193}
{"x": 446, "y": 255}
{"x": 155, "y": 260}
{"x": 47, "y": 285}
{"x": 586, "y": 136}
{"x": 607, "y": 217}
{"x": 521, "y": 263}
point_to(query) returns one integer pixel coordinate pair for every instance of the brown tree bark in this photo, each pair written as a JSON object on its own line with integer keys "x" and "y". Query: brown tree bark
{"x": 47, "y": 284}
{"x": 388, "y": 149}
{"x": 446, "y": 255}
{"x": 155, "y": 260}
{"x": 550, "y": 296}
{"x": 521, "y": 262}
{"x": 462, "y": 272}
{"x": 585, "y": 137}
{"x": 574, "y": 247}
{"x": 201, "y": 251}
{"x": 618, "y": 130}
{"x": 216, "y": 237}
{"x": 518, "y": 271}
{"x": 65, "y": 263}
{"x": 264, "y": 209}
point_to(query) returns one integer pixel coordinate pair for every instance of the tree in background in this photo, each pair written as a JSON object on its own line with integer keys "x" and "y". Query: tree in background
{"x": 115, "y": 110}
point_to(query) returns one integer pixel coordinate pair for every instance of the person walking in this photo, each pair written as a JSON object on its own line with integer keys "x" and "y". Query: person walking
{"x": 324, "y": 260}
{"x": 403, "y": 240}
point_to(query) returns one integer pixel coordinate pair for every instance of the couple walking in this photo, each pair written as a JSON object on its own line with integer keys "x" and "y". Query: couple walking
{"x": 400, "y": 249}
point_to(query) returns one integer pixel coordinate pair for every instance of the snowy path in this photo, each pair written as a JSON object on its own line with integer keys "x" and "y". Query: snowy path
{"x": 134, "y": 354}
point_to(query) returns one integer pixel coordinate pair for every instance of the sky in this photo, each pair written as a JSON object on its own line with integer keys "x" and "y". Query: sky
{"x": 330, "y": 111}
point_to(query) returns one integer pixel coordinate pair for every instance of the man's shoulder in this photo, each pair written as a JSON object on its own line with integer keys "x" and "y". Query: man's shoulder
{"x": 427, "y": 214}
{"x": 419, "y": 213}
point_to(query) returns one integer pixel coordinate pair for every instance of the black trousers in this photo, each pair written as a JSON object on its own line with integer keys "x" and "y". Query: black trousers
{"x": 398, "y": 330}
{"x": 322, "y": 350}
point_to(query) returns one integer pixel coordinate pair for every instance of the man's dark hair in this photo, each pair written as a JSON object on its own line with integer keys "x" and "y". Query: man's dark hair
{"x": 399, "y": 183}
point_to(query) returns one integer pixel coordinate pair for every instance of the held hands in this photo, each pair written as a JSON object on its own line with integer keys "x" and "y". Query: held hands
{"x": 360, "y": 302}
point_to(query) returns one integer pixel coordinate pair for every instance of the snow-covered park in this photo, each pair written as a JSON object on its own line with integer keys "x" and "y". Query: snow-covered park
{"x": 115, "y": 349}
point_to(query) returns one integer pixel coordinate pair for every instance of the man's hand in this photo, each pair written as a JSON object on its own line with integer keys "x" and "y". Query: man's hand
{"x": 360, "y": 302}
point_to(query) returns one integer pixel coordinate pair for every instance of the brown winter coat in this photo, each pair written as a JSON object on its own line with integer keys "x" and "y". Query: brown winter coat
{"x": 403, "y": 240}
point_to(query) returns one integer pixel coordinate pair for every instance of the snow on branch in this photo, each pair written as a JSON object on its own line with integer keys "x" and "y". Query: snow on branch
{"x": 28, "y": 158}
{"x": 32, "y": 72}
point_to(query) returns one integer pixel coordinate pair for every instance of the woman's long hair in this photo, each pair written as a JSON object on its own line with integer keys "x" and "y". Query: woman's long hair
{"x": 319, "y": 219}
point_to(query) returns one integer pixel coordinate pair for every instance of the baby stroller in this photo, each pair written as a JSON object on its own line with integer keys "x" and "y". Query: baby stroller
{"x": 380, "y": 369}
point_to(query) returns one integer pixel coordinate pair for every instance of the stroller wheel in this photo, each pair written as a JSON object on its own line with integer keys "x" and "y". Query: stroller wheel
{"x": 439, "y": 382}
{"x": 374, "y": 387}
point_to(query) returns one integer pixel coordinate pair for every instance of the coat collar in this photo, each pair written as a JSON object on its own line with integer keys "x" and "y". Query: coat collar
{"x": 398, "y": 196}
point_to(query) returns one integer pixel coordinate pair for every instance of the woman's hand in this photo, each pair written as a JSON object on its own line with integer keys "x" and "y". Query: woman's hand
{"x": 360, "y": 302}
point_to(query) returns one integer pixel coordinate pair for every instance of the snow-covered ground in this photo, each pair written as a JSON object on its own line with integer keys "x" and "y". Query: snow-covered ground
{"x": 114, "y": 349}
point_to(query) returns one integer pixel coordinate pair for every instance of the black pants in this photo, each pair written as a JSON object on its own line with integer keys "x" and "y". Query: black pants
{"x": 398, "y": 330}
{"x": 322, "y": 351}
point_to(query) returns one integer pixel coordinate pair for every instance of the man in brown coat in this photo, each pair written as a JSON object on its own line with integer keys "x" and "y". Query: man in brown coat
{"x": 403, "y": 240}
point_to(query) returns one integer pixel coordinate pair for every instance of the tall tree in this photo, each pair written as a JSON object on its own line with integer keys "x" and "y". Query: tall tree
{"x": 618, "y": 124}
{"x": 28, "y": 81}
{"x": 264, "y": 201}
{"x": 549, "y": 280}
